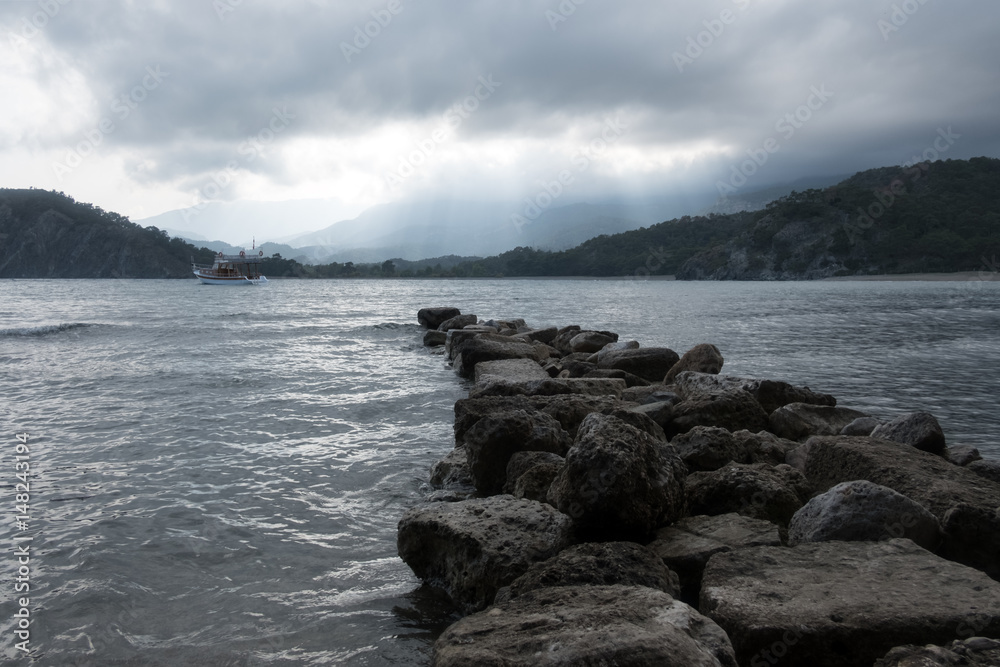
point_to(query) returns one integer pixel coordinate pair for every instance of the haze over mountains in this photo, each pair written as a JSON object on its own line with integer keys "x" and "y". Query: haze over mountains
{"x": 420, "y": 229}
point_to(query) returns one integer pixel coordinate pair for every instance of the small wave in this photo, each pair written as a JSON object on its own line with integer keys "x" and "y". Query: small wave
{"x": 394, "y": 326}
{"x": 44, "y": 330}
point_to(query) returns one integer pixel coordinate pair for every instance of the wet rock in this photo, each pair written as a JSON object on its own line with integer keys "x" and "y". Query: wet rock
{"x": 452, "y": 471}
{"x": 707, "y": 448}
{"x": 619, "y": 482}
{"x": 703, "y": 358}
{"x": 435, "y": 338}
{"x": 861, "y": 426}
{"x": 458, "y": 322}
{"x": 799, "y": 421}
{"x": 535, "y": 482}
{"x": 509, "y": 371}
{"x": 963, "y": 455}
{"x": 733, "y": 411}
{"x": 630, "y": 380}
{"x": 964, "y": 503}
{"x": 568, "y": 626}
{"x": 973, "y": 652}
{"x": 455, "y": 337}
{"x": 686, "y": 546}
{"x": 495, "y": 438}
{"x": 759, "y": 491}
{"x": 473, "y": 548}
{"x": 489, "y": 347}
{"x": 649, "y": 363}
{"x": 987, "y": 469}
{"x": 861, "y": 511}
{"x": 764, "y": 447}
{"x": 591, "y": 341}
{"x": 432, "y": 318}
{"x": 596, "y": 564}
{"x": 841, "y": 603}
{"x": 918, "y": 429}
{"x": 522, "y": 462}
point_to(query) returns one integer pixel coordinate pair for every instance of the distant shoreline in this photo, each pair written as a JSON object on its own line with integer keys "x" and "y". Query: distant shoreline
{"x": 983, "y": 276}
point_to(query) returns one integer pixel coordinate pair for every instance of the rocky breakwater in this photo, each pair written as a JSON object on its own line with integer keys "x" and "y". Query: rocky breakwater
{"x": 610, "y": 503}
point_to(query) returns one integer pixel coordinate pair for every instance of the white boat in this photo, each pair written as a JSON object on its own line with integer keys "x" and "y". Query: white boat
{"x": 241, "y": 269}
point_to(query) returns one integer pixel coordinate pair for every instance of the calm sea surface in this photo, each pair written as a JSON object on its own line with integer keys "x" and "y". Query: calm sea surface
{"x": 217, "y": 473}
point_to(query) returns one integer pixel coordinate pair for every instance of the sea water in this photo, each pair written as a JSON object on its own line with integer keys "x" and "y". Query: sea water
{"x": 216, "y": 473}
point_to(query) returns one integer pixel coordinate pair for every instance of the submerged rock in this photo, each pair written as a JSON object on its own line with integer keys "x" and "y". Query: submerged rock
{"x": 829, "y": 604}
{"x": 472, "y": 548}
{"x": 569, "y": 626}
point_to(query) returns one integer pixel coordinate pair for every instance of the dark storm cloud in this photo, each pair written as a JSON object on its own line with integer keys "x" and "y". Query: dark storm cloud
{"x": 722, "y": 73}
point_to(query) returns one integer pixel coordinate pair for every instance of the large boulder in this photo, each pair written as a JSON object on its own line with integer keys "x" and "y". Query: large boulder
{"x": 568, "y": 409}
{"x": 972, "y": 652}
{"x": 434, "y": 338}
{"x": 619, "y": 482}
{"x": 473, "y": 548}
{"x": 490, "y": 347}
{"x": 863, "y": 511}
{"x": 919, "y": 429}
{"x": 770, "y": 394}
{"x": 612, "y": 373}
{"x": 764, "y": 447}
{"x": 649, "y": 363}
{"x": 986, "y": 468}
{"x": 733, "y": 411}
{"x": 707, "y": 448}
{"x": 563, "y": 337}
{"x": 538, "y": 335}
{"x": 522, "y": 462}
{"x": 965, "y": 503}
{"x": 570, "y": 626}
{"x": 591, "y": 341}
{"x": 773, "y": 394}
{"x": 829, "y": 604}
{"x": 550, "y": 386}
{"x": 760, "y": 491}
{"x": 535, "y": 482}
{"x": 799, "y": 421}
{"x": 596, "y": 564}
{"x": 686, "y": 546}
{"x": 452, "y": 472}
{"x": 703, "y": 358}
{"x": 494, "y": 439}
{"x": 432, "y": 318}
{"x": 458, "y": 322}
{"x": 508, "y": 372}
{"x": 453, "y": 338}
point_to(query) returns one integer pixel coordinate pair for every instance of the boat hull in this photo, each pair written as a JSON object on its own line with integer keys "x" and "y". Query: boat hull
{"x": 236, "y": 280}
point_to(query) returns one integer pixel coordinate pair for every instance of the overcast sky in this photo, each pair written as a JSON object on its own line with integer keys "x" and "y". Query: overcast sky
{"x": 143, "y": 106}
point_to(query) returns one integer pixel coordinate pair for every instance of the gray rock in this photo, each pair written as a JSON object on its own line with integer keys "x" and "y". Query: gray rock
{"x": 494, "y": 439}
{"x": 661, "y": 412}
{"x": 686, "y": 546}
{"x": 489, "y": 347}
{"x": 619, "y": 482}
{"x": 596, "y": 564}
{"x": 637, "y": 420}
{"x": 591, "y": 341}
{"x": 964, "y": 503}
{"x": 963, "y": 455}
{"x": 707, "y": 448}
{"x": 973, "y": 652}
{"x": 508, "y": 371}
{"x": 452, "y": 471}
{"x": 649, "y": 363}
{"x": 841, "y": 603}
{"x": 987, "y": 469}
{"x": 513, "y": 324}
{"x": 535, "y": 482}
{"x": 563, "y": 337}
{"x": 654, "y": 393}
{"x": 568, "y": 409}
{"x": 435, "y": 338}
{"x": 570, "y": 626}
{"x": 861, "y": 511}
{"x": 458, "y": 322}
{"x": 551, "y": 387}
{"x": 764, "y": 447}
{"x": 522, "y": 462}
{"x": 432, "y": 318}
{"x": 538, "y": 335}
{"x": 799, "y": 421}
{"x": 861, "y": 426}
{"x": 733, "y": 411}
{"x": 703, "y": 358}
{"x": 452, "y": 495}
{"x": 630, "y": 380}
{"x": 918, "y": 429}
{"x": 759, "y": 491}
{"x": 473, "y": 548}
{"x": 770, "y": 394}
{"x": 455, "y": 337}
